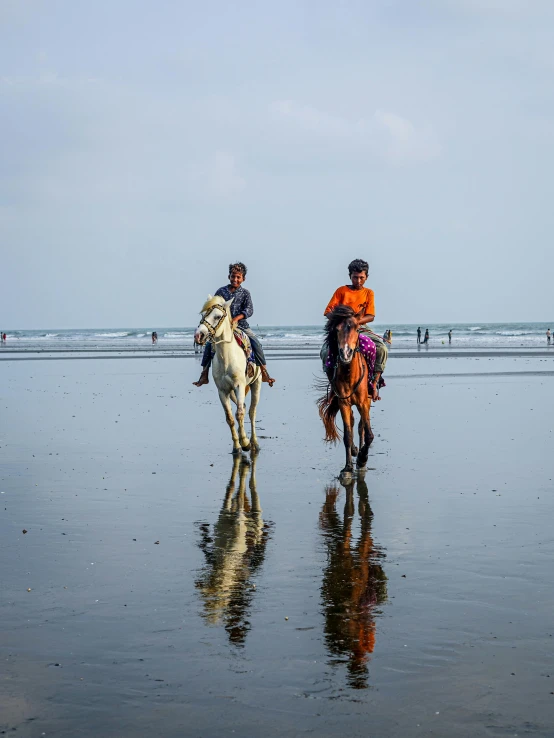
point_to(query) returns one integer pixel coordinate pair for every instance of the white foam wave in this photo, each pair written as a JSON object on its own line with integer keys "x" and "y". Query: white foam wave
{"x": 121, "y": 334}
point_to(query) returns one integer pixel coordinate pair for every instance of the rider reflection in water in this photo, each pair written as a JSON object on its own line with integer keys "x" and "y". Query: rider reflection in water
{"x": 234, "y": 551}
{"x": 354, "y": 582}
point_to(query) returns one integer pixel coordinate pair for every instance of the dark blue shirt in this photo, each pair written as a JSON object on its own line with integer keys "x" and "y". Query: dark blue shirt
{"x": 242, "y": 303}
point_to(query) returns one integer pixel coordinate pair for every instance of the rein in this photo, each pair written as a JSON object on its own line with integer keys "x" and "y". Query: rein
{"x": 212, "y": 329}
{"x": 332, "y": 383}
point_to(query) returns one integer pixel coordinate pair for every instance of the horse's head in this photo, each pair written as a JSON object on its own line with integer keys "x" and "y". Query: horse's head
{"x": 342, "y": 332}
{"x": 215, "y": 312}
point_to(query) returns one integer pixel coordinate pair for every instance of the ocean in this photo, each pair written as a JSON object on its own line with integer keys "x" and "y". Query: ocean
{"x": 464, "y": 335}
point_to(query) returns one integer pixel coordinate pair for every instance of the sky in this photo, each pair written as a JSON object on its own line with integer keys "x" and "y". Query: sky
{"x": 146, "y": 145}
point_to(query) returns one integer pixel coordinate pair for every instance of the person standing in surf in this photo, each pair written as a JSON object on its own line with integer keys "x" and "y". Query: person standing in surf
{"x": 359, "y": 298}
{"x": 241, "y": 309}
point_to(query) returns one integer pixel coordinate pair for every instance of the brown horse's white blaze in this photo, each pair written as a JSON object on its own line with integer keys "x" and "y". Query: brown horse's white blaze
{"x": 348, "y": 387}
{"x": 347, "y": 339}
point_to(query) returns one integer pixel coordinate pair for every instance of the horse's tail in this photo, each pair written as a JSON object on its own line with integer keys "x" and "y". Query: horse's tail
{"x": 328, "y": 406}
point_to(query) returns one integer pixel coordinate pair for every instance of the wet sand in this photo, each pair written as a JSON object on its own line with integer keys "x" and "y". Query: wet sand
{"x": 174, "y": 593}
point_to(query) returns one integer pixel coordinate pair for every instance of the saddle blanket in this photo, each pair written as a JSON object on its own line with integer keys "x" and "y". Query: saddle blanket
{"x": 367, "y": 349}
{"x": 243, "y": 341}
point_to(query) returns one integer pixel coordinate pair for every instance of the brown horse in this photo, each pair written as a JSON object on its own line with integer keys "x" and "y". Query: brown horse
{"x": 347, "y": 386}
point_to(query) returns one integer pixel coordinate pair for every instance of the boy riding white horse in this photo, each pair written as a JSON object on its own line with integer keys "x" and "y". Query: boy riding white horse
{"x": 241, "y": 309}
{"x": 230, "y": 370}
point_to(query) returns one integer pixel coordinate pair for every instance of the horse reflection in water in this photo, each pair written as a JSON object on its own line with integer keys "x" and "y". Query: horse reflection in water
{"x": 234, "y": 551}
{"x": 354, "y": 583}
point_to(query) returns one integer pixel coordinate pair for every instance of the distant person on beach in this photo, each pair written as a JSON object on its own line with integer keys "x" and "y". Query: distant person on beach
{"x": 358, "y": 297}
{"x": 419, "y": 335}
{"x": 548, "y": 335}
{"x": 426, "y": 339}
{"x": 241, "y": 309}
{"x": 450, "y": 336}
{"x": 4, "y": 337}
{"x": 154, "y": 337}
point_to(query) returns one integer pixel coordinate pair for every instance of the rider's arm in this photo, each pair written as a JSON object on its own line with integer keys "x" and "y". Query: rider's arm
{"x": 247, "y": 306}
{"x": 366, "y": 319}
{"x": 333, "y": 302}
{"x": 369, "y": 316}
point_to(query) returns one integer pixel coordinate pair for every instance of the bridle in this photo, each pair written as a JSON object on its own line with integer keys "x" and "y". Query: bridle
{"x": 212, "y": 329}
{"x": 332, "y": 382}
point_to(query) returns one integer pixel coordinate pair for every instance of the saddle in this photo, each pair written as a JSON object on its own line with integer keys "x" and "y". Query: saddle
{"x": 243, "y": 341}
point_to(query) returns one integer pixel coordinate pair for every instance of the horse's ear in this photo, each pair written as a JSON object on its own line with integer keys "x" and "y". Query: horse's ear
{"x": 361, "y": 314}
{"x": 228, "y": 303}
{"x": 209, "y": 297}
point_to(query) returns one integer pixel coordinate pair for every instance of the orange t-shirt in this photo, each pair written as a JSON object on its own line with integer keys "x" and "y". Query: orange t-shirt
{"x": 356, "y": 299}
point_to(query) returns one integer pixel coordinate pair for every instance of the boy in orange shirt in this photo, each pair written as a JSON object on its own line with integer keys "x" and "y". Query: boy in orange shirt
{"x": 356, "y": 296}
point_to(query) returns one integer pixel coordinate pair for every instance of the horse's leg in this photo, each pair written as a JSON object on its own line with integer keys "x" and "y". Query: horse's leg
{"x": 255, "y": 388}
{"x": 368, "y": 434}
{"x": 360, "y": 433}
{"x": 355, "y": 448}
{"x": 348, "y": 424}
{"x": 226, "y": 402}
{"x": 243, "y": 438}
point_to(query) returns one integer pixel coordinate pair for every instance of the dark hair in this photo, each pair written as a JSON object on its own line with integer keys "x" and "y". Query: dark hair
{"x": 358, "y": 265}
{"x": 238, "y": 267}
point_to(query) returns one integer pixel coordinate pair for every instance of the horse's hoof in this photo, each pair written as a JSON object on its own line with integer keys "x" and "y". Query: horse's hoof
{"x": 361, "y": 467}
{"x": 362, "y": 459}
{"x": 354, "y": 451}
{"x": 237, "y": 451}
{"x": 347, "y": 471}
{"x": 245, "y": 446}
{"x": 254, "y": 448}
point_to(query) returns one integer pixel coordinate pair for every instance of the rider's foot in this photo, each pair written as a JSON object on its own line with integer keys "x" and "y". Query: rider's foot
{"x": 204, "y": 379}
{"x": 374, "y": 387}
{"x": 266, "y": 377}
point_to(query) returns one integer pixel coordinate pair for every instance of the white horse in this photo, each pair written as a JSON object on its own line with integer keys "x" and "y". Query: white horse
{"x": 229, "y": 370}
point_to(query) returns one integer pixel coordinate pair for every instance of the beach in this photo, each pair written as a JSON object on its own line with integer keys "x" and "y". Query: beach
{"x": 152, "y": 587}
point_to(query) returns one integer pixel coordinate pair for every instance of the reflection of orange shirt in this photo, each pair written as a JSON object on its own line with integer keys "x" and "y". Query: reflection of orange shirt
{"x": 356, "y": 299}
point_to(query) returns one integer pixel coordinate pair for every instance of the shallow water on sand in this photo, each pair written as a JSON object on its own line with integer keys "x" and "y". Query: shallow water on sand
{"x": 176, "y": 592}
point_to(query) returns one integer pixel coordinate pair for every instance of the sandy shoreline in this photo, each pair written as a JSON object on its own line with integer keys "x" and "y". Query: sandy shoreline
{"x": 275, "y": 354}
{"x": 174, "y": 602}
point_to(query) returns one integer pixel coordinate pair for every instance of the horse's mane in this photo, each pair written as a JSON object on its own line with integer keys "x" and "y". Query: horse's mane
{"x": 211, "y": 301}
{"x": 334, "y": 318}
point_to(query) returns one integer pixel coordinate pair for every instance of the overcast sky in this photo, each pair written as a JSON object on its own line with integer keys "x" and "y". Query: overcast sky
{"x": 145, "y": 145}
